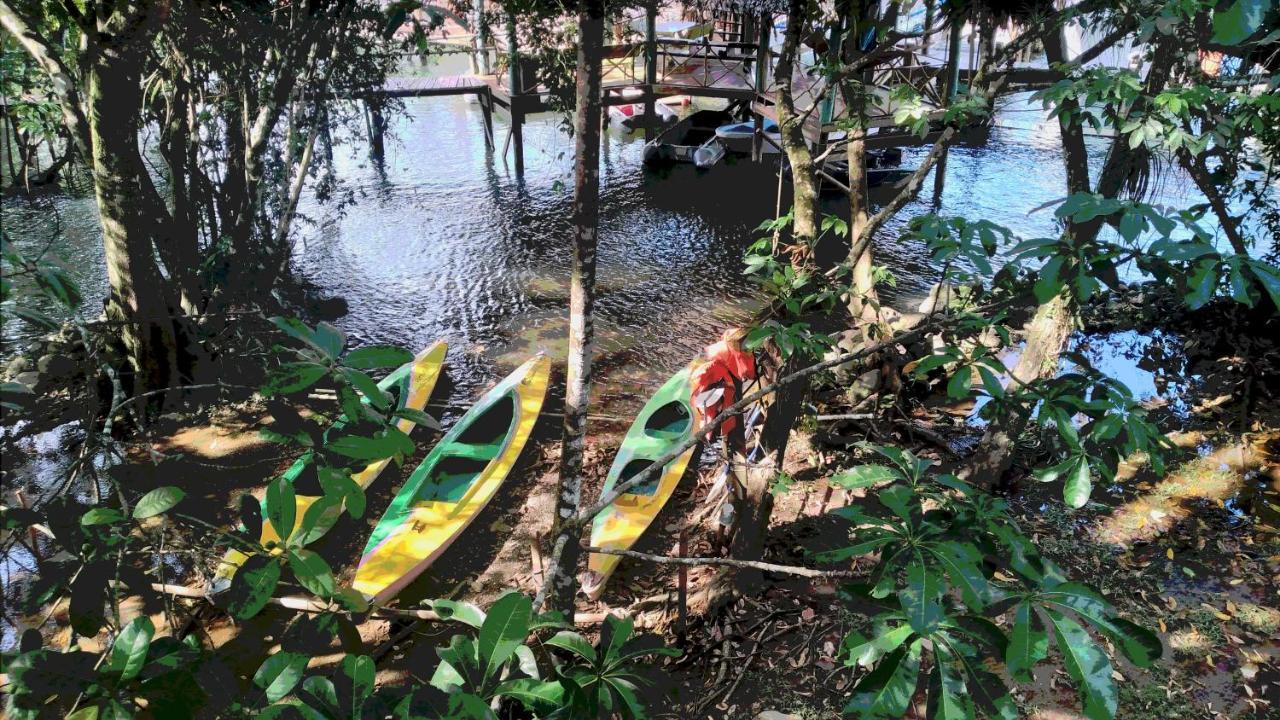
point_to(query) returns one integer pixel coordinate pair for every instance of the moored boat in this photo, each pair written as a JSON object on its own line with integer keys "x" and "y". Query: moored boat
{"x": 631, "y": 117}
{"x": 412, "y": 384}
{"x": 453, "y": 484}
{"x": 737, "y": 137}
{"x": 664, "y": 422}
{"x": 691, "y": 140}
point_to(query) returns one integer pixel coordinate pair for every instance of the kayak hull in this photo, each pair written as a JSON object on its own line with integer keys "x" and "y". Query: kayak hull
{"x": 454, "y": 483}
{"x": 416, "y": 380}
{"x": 665, "y": 421}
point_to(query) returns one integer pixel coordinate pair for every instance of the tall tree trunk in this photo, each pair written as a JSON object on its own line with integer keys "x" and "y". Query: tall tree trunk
{"x": 138, "y": 291}
{"x": 563, "y": 578}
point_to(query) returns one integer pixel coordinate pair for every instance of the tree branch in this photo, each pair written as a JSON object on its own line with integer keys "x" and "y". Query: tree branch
{"x": 796, "y": 570}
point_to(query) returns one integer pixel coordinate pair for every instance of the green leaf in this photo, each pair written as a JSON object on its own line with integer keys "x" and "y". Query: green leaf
{"x": 330, "y": 340}
{"x": 958, "y": 385}
{"x": 319, "y": 518}
{"x": 252, "y": 586}
{"x": 897, "y": 498}
{"x": 865, "y": 476}
{"x": 1079, "y": 486}
{"x": 1087, "y": 665}
{"x": 129, "y": 651}
{"x": 280, "y": 673}
{"x": 293, "y": 377}
{"x": 852, "y": 551}
{"x": 1242, "y": 19}
{"x": 948, "y": 697}
{"x": 539, "y": 696}
{"x": 339, "y": 484}
{"x": 574, "y": 643}
{"x": 389, "y": 443}
{"x": 322, "y": 690}
{"x": 160, "y": 500}
{"x": 368, "y": 388}
{"x": 281, "y": 506}
{"x": 360, "y": 670}
{"x": 1028, "y": 645}
{"x": 1139, "y": 644}
{"x": 417, "y": 417}
{"x": 312, "y": 572}
{"x": 960, "y": 561}
{"x": 921, "y": 598}
{"x": 886, "y": 691}
{"x": 505, "y": 627}
{"x": 101, "y": 516}
{"x": 463, "y": 612}
{"x": 377, "y": 356}
{"x": 860, "y": 651}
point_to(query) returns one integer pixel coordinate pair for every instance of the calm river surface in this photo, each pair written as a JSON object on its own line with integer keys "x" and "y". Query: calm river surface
{"x": 445, "y": 241}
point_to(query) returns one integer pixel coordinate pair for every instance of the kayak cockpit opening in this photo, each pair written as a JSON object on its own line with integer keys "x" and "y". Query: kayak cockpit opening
{"x": 450, "y": 479}
{"x": 668, "y": 422}
{"x": 635, "y": 467}
{"x": 492, "y": 426}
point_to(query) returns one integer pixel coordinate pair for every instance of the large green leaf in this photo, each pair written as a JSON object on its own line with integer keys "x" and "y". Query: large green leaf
{"x": 960, "y": 561}
{"x": 388, "y": 443}
{"x": 860, "y": 651}
{"x": 312, "y": 572}
{"x": 574, "y": 643}
{"x": 1233, "y": 25}
{"x": 886, "y": 691}
{"x": 898, "y": 499}
{"x": 1028, "y": 644}
{"x": 160, "y": 500}
{"x": 858, "y": 549}
{"x": 280, "y": 673}
{"x": 281, "y": 506}
{"x": 538, "y": 695}
{"x": 293, "y": 377}
{"x": 1141, "y": 646}
{"x": 1088, "y": 666}
{"x": 252, "y": 586}
{"x": 505, "y": 627}
{"x": 129, "y": 651}
{"x": 948, "y": 697}
{"x": 361, "y": 671}
{"x": 1079, "y": 486}
{"x": 865, "y": 476}
{"x": 921, "y": 598}
{"x": 463, "y": 612}
{"x": 377, "y": 356}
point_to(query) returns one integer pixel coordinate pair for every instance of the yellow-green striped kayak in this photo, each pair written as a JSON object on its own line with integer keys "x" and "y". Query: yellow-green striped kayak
{"x": 664, "y": 422}
{"x": 412, "y": 383}
{"x": 453, "y": 484}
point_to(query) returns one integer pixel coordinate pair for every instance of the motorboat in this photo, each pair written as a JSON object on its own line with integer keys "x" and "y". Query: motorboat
{"x": 690, "y": 140}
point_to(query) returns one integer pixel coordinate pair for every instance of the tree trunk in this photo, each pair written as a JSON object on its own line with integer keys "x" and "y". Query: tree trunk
{"x": 562, "y": 578}
{"x": 804, "y": 226}
{"x": 138, "y": 291}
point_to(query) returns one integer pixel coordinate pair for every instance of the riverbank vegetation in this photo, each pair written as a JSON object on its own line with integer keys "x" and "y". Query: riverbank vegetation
{"x": 959, "y": 509}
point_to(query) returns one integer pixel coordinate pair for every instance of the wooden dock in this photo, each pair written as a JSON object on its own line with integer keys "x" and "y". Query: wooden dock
{"x": 740, "y": 72}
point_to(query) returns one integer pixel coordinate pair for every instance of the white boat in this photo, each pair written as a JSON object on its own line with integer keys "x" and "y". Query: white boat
{"x": 631, "y": 117}
{"x": 736, "y": 137}
{"x": 691, "y": 140}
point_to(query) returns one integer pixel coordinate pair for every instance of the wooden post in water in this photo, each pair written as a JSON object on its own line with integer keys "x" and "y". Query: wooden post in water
{"x": 377, "y": 129}
{"x": 513, "y": 84}
{"x": 762, "y": 82}
{"x": 650, "y": 68}
{"x": 486, "y": 107}
{"x": 928, "y": 26}
{"x": 827, "y": 110}
{"x": 951, "y": 85}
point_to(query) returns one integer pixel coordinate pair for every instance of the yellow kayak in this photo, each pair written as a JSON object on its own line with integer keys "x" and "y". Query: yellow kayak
{"x": 453, "y": 484}
{"x": 664, "y": 422}
{"x": 414, "y": 381}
